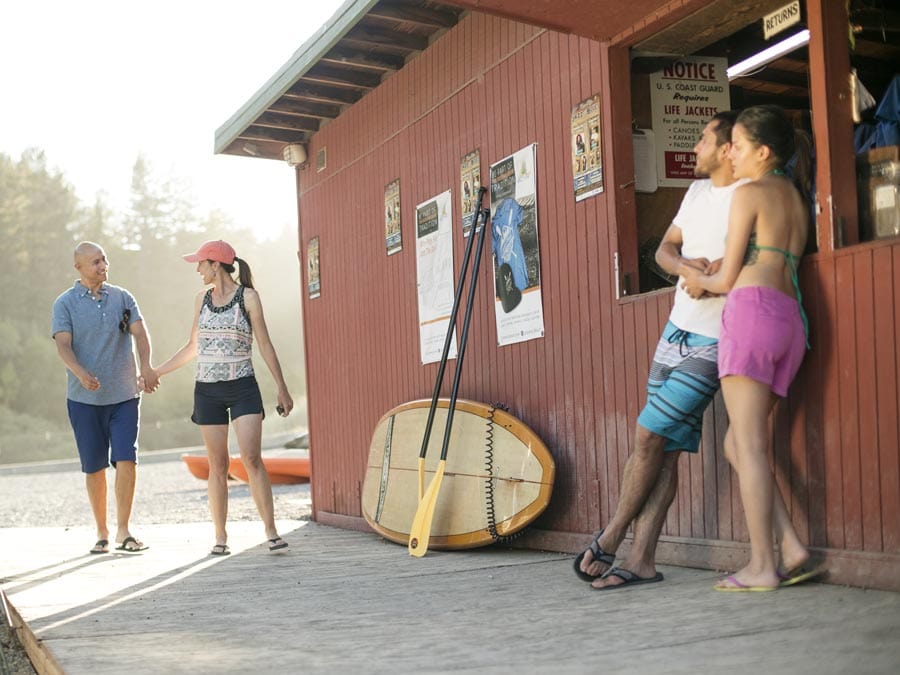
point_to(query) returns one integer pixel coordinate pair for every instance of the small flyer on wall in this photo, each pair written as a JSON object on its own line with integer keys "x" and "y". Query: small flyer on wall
{"x": 587, "y": 163}
{"x": 518, "y": 307}
{"x": 393, "y": 239}
{"x": 684, "y": 96}
{"x": 434, "y": 275}
{"x": 312, "y": 268}
{"x": 470, "y": 182}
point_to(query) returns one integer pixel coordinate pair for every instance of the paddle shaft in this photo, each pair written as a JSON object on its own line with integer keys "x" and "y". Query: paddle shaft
{"x": 451, "y": 326}
{"x": 463, "y": 339}
{"x": 420, "y": 531}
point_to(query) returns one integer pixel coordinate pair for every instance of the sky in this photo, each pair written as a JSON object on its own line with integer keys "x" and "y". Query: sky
{"x": 95, "y": 83}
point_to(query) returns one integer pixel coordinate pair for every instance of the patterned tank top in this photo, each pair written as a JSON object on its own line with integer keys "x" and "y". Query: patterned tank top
{"x": 224, "y": 340}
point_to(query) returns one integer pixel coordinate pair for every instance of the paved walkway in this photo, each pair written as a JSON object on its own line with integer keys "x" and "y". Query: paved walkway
{"x": 352, "y": 601}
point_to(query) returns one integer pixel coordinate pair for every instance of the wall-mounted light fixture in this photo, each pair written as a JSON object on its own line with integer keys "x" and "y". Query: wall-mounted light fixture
{"x": 294, "y": 154}
{"x": 251, "y": 149}
{"x": 768, "y": 55}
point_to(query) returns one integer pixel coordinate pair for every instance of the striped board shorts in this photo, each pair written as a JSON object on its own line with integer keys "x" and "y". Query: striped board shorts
{"x": 683, "y": 379}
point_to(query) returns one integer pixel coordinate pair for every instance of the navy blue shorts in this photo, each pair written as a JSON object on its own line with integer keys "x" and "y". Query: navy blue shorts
{"x": 213, "y": 401}
{"x": 105, "y": 434}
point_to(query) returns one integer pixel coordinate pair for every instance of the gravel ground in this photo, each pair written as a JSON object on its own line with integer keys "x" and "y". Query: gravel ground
{"x": 13, "y": 659}
{"x": 53, "y": 495}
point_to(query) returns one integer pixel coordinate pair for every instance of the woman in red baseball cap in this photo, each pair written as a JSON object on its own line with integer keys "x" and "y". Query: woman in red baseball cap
{"x": 226, "y": 319}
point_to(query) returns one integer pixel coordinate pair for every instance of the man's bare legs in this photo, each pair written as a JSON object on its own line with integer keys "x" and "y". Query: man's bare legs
{"x": 648, "y": 525}
{"x": 126, "y": 479}
{"x": 642, "y": 474}
{"x": 96, "y": 489}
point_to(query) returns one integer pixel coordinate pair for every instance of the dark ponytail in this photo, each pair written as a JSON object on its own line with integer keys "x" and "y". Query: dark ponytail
{"x": 769, "y": 125}
{"x": 245, "y": 277}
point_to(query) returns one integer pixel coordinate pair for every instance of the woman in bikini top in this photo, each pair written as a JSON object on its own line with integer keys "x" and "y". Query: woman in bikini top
{"x": 759, "y": 353}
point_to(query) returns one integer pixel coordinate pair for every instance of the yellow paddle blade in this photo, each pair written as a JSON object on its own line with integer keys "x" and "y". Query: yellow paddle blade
{"x": 421, "y": 477}
{"x": 420, "y": 532}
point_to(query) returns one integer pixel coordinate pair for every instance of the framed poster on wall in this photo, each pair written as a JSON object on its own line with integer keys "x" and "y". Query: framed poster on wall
{"x": 393, "y": 237}
{"x": 518, "y": 307}
{"x": 470, "y": 183}
{"x": 434, "y": 275}
{"x": 312, "y": 268}
{"x": 587, "y": 161}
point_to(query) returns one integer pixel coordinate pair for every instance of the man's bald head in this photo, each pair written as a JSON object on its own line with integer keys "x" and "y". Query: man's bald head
{"x": 86, "y": 249}
{"x": 91, "y": 263}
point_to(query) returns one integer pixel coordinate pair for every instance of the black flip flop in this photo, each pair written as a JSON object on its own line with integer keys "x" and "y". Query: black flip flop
{"x": 220, "y": 549}
{"x": 798, "y": 576}
{"x": 101, "y": 547}
{"x": 136, "y": 548}
{"x": 275, "y": 546}
{"x": 599, "y": 555}
{"x": 628, "y": 579}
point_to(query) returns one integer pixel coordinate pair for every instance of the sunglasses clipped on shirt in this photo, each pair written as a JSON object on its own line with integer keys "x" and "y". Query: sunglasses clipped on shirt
{"x": 123, "y": 324}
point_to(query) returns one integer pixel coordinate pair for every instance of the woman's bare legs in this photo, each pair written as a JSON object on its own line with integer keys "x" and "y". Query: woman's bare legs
{"x": 215, "y": 437}
{"x": 249, "y": 436}
{"x": 748, "y": 403}
{"x": 792, "y": 551}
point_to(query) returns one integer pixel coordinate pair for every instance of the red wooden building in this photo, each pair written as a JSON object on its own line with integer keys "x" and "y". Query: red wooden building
{"x": 402, "y": 89}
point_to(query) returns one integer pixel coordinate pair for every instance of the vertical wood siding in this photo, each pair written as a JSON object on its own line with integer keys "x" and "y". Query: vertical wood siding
{"x": 497, "y": 85}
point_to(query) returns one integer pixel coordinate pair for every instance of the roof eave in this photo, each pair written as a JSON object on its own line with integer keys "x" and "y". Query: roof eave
{"x": 347, "y": 16}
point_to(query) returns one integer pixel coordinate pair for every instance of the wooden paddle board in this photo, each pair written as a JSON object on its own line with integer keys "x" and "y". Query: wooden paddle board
{"x": 498, "y": 477}
{"x": 281, "y": 470}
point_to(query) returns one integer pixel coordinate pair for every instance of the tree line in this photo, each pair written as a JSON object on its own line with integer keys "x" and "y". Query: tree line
{"x": 41, "y": 221}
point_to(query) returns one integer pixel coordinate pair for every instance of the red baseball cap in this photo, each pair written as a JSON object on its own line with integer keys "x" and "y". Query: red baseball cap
{"x": 217, "y": 250}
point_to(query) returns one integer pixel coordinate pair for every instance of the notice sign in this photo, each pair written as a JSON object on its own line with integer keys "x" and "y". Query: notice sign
{"x": 683, "y": 97}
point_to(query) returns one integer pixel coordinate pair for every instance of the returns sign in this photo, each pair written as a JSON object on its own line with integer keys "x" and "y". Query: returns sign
{"x": 780, "y": 19}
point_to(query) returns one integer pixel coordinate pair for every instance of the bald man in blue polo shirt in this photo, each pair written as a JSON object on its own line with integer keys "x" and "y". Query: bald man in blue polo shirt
{"x": 93, "y": 326}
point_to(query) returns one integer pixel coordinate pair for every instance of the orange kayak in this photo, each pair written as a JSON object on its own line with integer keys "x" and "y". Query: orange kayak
{"x": 198, "y": 465}
{"x": 281, "y": 470}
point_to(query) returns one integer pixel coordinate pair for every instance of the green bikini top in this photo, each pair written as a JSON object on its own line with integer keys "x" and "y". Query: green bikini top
{"x": 792, "y": 262}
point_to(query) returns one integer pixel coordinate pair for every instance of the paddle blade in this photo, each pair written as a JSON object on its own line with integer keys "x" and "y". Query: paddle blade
{"x": 421, "y": 478}
{"x": 420, "y": 532}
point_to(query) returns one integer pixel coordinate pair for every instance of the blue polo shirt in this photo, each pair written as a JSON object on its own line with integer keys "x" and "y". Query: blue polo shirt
{"x": 99, "y": 345}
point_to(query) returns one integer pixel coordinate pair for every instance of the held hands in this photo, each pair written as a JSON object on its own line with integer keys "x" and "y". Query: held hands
{"x": 148, "y": 382}
{"x": 691, "y": 284}
{"x": 693, "y": 271}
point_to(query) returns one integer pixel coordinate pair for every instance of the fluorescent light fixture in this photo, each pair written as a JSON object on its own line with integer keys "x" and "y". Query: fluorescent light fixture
{"x": 768, "y": 54}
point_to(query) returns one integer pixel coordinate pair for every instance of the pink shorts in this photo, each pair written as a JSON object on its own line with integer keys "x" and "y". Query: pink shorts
{"x": 762, "y": 337}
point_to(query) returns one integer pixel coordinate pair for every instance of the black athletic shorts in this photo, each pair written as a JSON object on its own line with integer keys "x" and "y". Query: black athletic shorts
{"x": 213, "y": 401}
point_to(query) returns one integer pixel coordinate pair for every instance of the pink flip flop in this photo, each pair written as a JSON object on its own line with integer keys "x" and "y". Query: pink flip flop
{"x": 731, "y": 585}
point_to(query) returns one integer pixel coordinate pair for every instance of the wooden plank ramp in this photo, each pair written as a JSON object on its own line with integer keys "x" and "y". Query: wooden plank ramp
{"x": 346, "y": 599}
